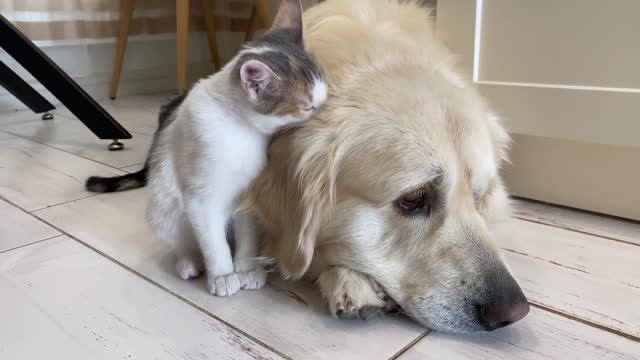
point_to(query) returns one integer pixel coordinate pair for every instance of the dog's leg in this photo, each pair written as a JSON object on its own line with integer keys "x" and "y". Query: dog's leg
{"x": 250, "y": 271}
{"x": 352, "y": 294}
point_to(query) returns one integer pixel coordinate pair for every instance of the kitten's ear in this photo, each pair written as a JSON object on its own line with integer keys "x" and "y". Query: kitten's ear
{"x": 290, "y": 16}
{"x": 256, "y": 77}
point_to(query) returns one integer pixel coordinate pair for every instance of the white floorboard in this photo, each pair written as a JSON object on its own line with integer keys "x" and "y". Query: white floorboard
{"x": 20, "y": 228}
{"x": 67, "y": 302}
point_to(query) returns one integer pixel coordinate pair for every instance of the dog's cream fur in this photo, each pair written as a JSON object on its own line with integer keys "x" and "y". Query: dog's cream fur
{"x": 399, "y": 117}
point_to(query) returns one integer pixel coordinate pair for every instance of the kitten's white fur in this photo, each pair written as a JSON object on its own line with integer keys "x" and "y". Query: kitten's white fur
{"x": 201, "y": 165}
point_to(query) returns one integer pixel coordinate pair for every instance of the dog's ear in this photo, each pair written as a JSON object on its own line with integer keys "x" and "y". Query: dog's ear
{"x": 500, "y": 137}
{"x": 293, "y": 197}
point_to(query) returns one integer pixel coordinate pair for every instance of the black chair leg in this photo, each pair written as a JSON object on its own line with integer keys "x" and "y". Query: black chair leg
{"x": 23, "y": 91}
{"x": 81, "y": 104}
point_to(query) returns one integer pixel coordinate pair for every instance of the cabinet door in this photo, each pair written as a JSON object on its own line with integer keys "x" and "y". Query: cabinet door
{"x": 565, "y": 77}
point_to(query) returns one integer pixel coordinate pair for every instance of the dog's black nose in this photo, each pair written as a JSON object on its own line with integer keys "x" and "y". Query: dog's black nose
{"x": 495, "y": 316}
{"x": 503, "y": 301}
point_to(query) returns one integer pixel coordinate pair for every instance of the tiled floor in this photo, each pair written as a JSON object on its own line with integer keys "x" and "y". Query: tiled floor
{"x": 81, "y": 276}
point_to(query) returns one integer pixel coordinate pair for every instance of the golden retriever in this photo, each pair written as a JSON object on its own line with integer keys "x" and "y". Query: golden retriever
{"x": 393, "y": 188}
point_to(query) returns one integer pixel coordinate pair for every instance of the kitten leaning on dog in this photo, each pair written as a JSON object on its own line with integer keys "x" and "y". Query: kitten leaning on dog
{"x": 210, "y": 145}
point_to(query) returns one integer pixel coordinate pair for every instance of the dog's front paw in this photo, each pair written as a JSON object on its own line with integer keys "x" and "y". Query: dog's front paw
{"x": 351, "y": 294}
{"x": 224, "y": 285}
{"x": 251, "y": 274}
{"x": 253, "y": 280}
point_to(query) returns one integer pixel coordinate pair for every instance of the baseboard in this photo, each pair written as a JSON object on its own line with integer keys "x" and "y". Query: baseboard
{"x": 589, "y": 176}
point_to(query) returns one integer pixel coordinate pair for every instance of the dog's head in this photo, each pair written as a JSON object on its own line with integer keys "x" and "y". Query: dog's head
{"x": 397, "y": 177}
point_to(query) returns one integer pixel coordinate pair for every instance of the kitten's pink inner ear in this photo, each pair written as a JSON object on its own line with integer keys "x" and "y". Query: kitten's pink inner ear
{"x": 289, "y": 15}
{"x": 254, "y": 71}
{"x": 256, "y": 77}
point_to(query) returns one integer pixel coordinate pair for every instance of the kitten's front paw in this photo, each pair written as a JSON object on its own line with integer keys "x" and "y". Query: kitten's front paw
{"x": 253, "y": 280}
{"x": 187, "y": 268}
{"x": 225, "y": 285}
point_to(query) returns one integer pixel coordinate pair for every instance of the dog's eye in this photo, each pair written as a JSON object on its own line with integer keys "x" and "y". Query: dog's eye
{"x": 414, "y": 203}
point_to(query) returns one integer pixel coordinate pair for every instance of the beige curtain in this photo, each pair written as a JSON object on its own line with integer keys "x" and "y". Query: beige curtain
{"x": 65, "y": 20}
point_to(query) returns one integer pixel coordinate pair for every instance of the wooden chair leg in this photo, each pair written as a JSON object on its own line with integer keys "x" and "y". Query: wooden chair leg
{"x": 182, "y": 34}
{"x": 211, "y": 33}
{"x": 254, "y": 22}
{"x": 264, "y": 13}
{"x": 260, "y": 15}
{"x": 126, "y": 13}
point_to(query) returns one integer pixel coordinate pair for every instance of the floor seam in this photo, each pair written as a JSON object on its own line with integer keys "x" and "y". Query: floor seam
{"x": 62, "y": 203}
{"x": 585, "y": 322}
{"x": 139, "y": 133}
{"x": 604, "y": 237}
{"x": 4, "y": 131}
{"x": 73, "y": 117}
{"x": 525, "y": 200}
{"x": 167, "y": 290}
{"x": 66, "y": 151}
{"x": 30, "y": 212}
{"x": 122, "y": 168}
{"x": 31, "y": 243}
{"x": 413, "y": 342}
{"x": 126, "y": 172}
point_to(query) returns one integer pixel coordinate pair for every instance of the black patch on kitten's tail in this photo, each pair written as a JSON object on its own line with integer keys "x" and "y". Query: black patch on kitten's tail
{"x": 131, "y": 181}
{"x": 137, "y": 179}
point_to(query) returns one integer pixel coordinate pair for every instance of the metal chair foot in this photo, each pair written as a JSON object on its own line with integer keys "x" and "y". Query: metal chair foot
{"x": 116, "y": 145}
{"x": 47, "y": 116}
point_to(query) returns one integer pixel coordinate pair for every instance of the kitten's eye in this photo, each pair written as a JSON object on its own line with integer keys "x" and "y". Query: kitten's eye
{"x": 414, "y": 203}
{"x": 313, "y": 108}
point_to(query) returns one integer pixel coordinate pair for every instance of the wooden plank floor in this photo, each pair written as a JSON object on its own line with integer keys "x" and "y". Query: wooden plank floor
{"x": 69, "y": 302}
{"x": 81, "y": 276}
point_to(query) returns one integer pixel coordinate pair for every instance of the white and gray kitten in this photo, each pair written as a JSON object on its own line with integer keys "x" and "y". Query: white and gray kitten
{"x": 212, "y": 143}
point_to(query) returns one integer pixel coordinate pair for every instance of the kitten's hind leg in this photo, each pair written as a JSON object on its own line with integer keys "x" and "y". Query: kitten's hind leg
{"x": 190, "y": 263}
{"x": 250, "y": 271}
{"x": 169, "y": 225}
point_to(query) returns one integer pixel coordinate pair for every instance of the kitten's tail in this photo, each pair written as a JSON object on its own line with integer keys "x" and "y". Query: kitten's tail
{"x": 131, "y": 181}
{"x": 137, "y": 179}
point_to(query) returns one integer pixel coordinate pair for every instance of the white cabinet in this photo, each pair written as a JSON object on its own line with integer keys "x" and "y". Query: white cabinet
{"x": 565, "y": 77}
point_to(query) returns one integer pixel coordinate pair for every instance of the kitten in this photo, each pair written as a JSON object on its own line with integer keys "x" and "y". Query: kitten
{"x": 212, "y": 143}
